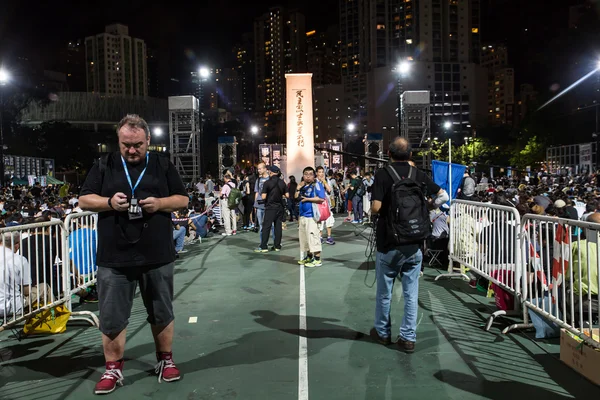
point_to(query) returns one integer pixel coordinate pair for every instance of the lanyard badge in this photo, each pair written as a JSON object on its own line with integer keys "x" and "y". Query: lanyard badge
{"x": 135, "y": 211}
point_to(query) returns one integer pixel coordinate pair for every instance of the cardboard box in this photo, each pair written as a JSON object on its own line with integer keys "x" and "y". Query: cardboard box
{"x": 581, "y": 357}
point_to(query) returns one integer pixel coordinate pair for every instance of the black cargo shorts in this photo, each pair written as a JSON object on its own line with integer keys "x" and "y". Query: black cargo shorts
{"x": 116, "y": 290}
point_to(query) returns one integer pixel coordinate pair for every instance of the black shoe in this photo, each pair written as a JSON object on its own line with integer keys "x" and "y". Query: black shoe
{"x": 375, "y": 336}
{"x": 406, "y": 346}
{"x": 275, "y": 248}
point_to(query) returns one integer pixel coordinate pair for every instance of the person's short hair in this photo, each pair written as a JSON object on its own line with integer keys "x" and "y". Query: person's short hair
{"x": 10, "y": 238}
{"x": 320, "y": 168}
{"x": 400, "y": 150}
{"x": 309, "y": 169}
{"x": 134, "y": 121}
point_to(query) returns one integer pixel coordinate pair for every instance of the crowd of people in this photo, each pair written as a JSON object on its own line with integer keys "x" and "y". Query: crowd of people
{"x": 210, "y": 212}
{"x": 570, "y": 198}
{"x": 32, "y": 258}
{"x": 143, "y": 225}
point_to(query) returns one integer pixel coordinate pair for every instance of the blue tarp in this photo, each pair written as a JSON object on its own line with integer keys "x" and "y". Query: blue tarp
{"x": 440, "y": 175}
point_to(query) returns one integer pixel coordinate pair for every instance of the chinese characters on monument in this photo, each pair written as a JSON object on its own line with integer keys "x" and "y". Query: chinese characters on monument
{"x": 299, "y": 115}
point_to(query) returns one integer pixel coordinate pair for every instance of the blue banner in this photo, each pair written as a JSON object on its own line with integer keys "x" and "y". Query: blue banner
{"x": 440, "y": 175}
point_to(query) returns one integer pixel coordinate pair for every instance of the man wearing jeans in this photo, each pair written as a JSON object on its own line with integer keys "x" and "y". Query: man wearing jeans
{"x": 259, "y": 203}
{"x": 393, "y": 260}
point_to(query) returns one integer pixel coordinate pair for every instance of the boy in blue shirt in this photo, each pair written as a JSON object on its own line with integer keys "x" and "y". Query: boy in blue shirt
{"x": 309, "y": 191}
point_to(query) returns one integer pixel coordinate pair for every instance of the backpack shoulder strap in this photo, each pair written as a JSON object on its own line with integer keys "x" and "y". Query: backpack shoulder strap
{"x": 412, "y": 173}
{"x": 103, "y": 165}
{"x": 393, "y": 173}
{"x": 163, "y": 161}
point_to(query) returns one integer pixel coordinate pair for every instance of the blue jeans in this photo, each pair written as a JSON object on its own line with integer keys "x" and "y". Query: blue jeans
{"x": 406, "y": 262}
{"x": 260, "y": 217}
{"x": 357, "y": 205}
{"x": 179, "y": 237}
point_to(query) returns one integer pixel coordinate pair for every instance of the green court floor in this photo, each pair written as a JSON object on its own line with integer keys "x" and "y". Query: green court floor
{"x": 247, "y": 341}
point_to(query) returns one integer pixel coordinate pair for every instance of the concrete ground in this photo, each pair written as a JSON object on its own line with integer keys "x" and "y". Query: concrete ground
{"x": 247, "y": 342}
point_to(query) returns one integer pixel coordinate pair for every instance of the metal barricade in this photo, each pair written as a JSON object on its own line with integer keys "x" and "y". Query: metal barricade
{"x": 32, "y": 278}
{"x": 562, "y": 272}
{"x": 485, "y": 239}
{"x": 80, "y": 242}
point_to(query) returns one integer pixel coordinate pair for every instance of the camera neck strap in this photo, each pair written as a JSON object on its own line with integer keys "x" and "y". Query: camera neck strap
{"x": 129, "y": 177}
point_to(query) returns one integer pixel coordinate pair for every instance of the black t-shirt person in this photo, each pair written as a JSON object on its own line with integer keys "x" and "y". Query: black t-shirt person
{"x": 382, "y": 189}
{"x": 275, "y": 189}
{"x": 145, "y": 241}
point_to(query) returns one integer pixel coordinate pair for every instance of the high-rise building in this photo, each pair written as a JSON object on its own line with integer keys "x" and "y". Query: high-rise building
{"x": 230, "y": 91}
{"x": 279, "y": 48}
{"x": 330, "y": 113}
{"x": 295, "y": 43}
{"x": 70, "y": 60}
{"x": 494, "y": 57}
{"x": 116, "y": 63}
{"x": 74, "y": 68}
{"x": 355, "y": 57}
{"x": 527, "y": 101}
{"x": 583, "y": 15}
{"x": 501, "y": 85}
{"x": 244, "y": 54}
{"x": 153, "y": 72}
{"x": 323, "y": 56}
{"x": 442, "y": 40}
{"x": 204, "y": 88}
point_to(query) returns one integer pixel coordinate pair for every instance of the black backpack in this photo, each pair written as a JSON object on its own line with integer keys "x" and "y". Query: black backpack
{"x": 408, "y": 219}
{"x": 360, "y": 190}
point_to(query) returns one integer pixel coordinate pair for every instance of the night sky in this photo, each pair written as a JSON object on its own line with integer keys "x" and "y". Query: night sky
{"x": 205, "y": 32}
{"x": 197, "y": 32}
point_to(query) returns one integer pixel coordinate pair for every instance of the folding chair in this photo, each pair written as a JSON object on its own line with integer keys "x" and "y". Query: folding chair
{"x": 434, "y": 257}
{"x": 433, "y": 251}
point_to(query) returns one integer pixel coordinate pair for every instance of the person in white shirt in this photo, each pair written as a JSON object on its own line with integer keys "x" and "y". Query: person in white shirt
{"x": 210, "y": 185}
{"x": 201, "y": 187}
{"x": 15, "y": 275}
{"x": 368, "y": 182}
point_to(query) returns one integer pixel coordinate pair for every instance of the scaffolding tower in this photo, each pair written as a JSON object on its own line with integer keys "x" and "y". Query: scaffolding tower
{"x": 373, "y": 148}
{"x": 415, "y": 125}
{"x": 227, "y": 152}
{"x": 184, "y": 136}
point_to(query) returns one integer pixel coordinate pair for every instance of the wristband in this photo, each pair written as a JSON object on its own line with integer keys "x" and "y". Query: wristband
{"x": 110, "y": 203}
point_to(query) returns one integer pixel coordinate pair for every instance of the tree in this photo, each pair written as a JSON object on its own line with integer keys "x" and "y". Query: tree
{"x": 530, "y": 155}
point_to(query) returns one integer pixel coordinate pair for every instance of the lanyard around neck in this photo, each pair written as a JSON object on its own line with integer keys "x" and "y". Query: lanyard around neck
{"x": 129, "y": 178}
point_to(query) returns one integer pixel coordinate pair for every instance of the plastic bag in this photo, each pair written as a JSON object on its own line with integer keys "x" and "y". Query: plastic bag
{"x": 50, "y": 321}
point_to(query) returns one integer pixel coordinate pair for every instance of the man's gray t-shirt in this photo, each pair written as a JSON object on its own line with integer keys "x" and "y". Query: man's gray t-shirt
{"x": 258, "y": 189}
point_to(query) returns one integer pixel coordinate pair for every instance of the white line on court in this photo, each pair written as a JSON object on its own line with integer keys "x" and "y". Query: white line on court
{"x": 303, "y": 349}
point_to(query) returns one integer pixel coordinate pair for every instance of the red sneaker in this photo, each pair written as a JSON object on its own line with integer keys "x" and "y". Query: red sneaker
{"x": 112, "y": 377}
{"x": 166, "y": 368}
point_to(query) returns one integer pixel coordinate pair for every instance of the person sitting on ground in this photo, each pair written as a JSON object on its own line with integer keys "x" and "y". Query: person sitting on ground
{"x": 15, "y": 281}
{"x": 200, "y": 220}
{"x": 178, "y": 235}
